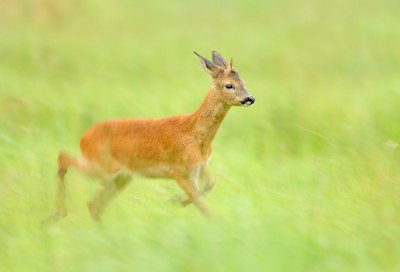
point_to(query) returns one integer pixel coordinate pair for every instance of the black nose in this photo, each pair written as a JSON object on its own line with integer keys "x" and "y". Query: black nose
{"x": 248, "y": 100}
{"x": 251, "y": 99}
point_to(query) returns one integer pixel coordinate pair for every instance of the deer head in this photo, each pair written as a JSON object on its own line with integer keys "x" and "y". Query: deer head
{"x": 227, "y": 85}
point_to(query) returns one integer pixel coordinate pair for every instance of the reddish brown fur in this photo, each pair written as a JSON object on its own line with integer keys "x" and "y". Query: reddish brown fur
{"x": 176, "y": 147}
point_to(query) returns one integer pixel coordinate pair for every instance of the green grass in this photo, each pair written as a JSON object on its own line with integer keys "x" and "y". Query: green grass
{"x": 307, "y": 180}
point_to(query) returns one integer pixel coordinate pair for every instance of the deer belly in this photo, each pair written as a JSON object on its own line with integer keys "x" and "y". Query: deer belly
{"x": 151, "y": 169}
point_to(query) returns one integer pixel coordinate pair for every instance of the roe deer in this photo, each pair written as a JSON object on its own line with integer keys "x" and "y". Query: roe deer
{"x": 177, "y": 147}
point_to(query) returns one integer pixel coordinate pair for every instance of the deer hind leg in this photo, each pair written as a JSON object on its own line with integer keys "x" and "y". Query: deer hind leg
{"x": 188, "y": 184}
{"x": 64, "y": 163}
{"x": 110, "y": 189}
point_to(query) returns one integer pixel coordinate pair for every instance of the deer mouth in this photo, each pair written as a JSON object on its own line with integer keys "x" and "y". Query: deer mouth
{"x": 247, "y": 104}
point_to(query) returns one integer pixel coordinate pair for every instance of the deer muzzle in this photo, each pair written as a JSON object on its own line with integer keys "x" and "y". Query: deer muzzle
{"x": 248, "y": 101}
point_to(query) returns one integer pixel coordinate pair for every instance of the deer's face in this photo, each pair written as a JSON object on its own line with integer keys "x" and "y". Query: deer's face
{"x": 229, "y": 88}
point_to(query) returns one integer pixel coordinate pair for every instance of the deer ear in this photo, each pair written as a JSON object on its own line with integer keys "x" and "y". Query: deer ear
{"x": 208, "y": 66}
{"x": 219, "y": 60}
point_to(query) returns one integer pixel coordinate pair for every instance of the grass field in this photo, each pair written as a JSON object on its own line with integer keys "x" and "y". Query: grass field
{"x": 307, "y": 180}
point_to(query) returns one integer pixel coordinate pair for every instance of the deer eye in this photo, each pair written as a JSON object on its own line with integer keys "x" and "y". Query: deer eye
{"x": 229, "y": 86}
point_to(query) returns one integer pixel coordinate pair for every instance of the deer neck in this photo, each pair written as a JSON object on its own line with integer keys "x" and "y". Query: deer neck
{"x": 208, "y": 118}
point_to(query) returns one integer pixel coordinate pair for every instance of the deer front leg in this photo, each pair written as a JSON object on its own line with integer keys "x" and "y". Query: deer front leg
{"x": 188, "y": 184}
{"x": 208, "y": 186}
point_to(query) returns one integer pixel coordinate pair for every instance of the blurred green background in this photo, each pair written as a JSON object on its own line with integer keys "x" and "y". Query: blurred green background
{"x": 307, "y": 180}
